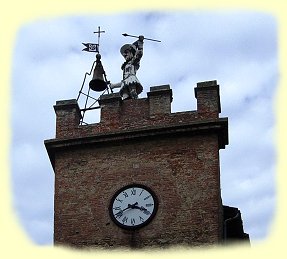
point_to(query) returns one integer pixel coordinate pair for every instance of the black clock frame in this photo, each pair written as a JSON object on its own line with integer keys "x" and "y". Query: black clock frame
{"x": 127, "y": 187}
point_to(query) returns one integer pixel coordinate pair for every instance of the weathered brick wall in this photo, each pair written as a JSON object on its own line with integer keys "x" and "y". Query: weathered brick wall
{"x": 183, "y": 172}
{"x": 140, "y": 141}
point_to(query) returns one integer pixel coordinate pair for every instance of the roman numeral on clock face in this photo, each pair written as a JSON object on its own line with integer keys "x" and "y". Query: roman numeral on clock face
{"x": 147, "y": 197}
{"x": 133, "y": 221}
{"x": 141, "y": 192}
{"x": 119, "y": 200}
{"x": 125, "y": 219}
{"x": 133, "y": 191}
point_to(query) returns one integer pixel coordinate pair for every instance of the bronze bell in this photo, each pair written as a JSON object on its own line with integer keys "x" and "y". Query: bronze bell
{"x": 98, "y": 82}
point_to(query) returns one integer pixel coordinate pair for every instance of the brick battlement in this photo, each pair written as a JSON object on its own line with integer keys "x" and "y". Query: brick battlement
{"x": 146, "y": 116}
{"x": 135, "y": 114}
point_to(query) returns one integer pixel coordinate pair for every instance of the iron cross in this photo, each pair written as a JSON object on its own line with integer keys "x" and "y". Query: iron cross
{"x": 99, "y": 34}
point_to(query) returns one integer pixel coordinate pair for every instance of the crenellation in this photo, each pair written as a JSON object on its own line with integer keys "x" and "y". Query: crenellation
{"x": 136, "y": 114}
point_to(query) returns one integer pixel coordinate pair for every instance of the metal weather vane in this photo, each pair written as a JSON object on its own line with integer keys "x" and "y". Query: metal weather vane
{"x": 130, "y": 87}
{"x": 92, "y": 47}
{"x": 99, "y": 81}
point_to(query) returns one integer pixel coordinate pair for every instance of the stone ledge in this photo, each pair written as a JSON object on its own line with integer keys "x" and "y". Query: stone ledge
{"x": 219, "y": 127}
{"x": 64, "y": 104}
{"x": 207, "y": 83}
{"x": 68, "y": 105}
{"x": 159, "y": 88}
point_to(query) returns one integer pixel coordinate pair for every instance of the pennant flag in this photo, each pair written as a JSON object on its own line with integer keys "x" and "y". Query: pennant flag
{"x": 91, "y": 47}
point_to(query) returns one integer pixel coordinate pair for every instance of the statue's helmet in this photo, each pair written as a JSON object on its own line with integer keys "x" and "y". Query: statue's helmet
{"x": 129, "y": 47}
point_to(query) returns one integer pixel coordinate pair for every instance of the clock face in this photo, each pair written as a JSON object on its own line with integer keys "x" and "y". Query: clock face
{"x": 133, "y": 206}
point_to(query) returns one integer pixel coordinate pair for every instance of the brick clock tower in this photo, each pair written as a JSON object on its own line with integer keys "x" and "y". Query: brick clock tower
{"x": 142, "y": 176}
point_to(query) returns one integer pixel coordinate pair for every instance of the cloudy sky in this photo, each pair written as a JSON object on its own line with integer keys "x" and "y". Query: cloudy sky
{"x": 236, "y": 48}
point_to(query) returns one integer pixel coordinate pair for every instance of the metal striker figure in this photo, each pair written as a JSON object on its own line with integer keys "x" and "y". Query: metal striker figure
{"x": 130, "y": 85}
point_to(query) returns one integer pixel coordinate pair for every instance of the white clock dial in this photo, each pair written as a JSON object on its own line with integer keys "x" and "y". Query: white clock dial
{"x": 133, "y": 206}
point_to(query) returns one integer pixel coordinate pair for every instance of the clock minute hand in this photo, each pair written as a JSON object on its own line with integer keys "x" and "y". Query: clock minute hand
{"x": 143, "y": 208}
{"x": 139, "y": 208}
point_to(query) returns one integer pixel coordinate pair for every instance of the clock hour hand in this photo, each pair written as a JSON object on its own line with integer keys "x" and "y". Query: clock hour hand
{"x": 130, "y": 206}
{"x": 133, "y": 205}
